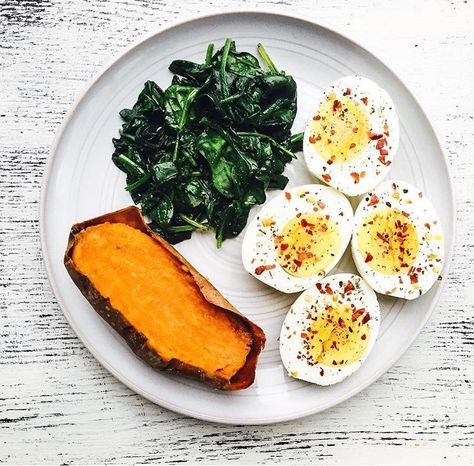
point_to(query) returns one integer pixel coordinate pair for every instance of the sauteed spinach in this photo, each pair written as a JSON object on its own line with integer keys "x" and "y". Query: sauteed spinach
{"x": 201, "y": 153}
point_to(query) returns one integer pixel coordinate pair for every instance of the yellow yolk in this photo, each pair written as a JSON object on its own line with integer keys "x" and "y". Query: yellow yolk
{"x": 339, "y": 336}
{"x": 340, "y": 129}
{"x": 388, "y": 241}
{"x": 308, "y": 244}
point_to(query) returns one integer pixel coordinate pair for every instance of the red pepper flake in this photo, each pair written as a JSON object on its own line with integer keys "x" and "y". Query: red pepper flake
{"x": 297, "y": 262}
{"x": 323, "y": 228}
{"x": 330, "y": 162}
{"x": 288, "y": 195}
{"x": 284, "y": 247}
{"x": 369, "y": 257}
{"x": 383, "y": 161}
{"x": 328, "y": 289}
{"x": 356, "y": 314}
{"x": 329, "y": 141}
{"x": 373, "y": 200}
{"x": 320, "y": 288}
{"x": 305, "y": 255}
{"x": 334, "y": 345}
{"x": 318, "y": 137}
{"x": 326, "y": 177}
{"x": 365, "y": 100}
{"x": 347, "y": 92}
{"x": 403, "y": 264}
{"x": 363, "y": 337}
{"x": 304, "y": 223}
{"x": 352, "y": 146}
{"x": 413, "y": 278}
{"x": 349, "y": 287}
{"x": 336, "y": 104}
{"x": 383, "y": 152}
{"x": 309, "y": 232}
{"x": 317, "y": 117}
{"x": 382, "y": 237}
{"x": 334, "y": 363}
{"x": 380, "y": 143}
{"x": 340, "y": 321}
{"x": 321, "y": 205}
{"x": 321, "y": 372}
{"x": 405, "y": 214}
{"x": 356, "y": 177}
{"x": 366, "y": 318}
{"x": 385, "y": 129}
{"x": 374, "y": 137}
{"x": 312, "y": 140}
{"x": 304, "y": 335}
{"x": 427, "y": 225}
{"x": 262, "y": 268}
{"x": 355, "y": 130}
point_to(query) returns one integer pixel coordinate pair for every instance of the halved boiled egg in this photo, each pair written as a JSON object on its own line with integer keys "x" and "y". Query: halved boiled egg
{"x": 330, "y": 329}
{"x": 298, "y": 236}
{"x": 352, "y": 136}
{"x": 398, "y": 242}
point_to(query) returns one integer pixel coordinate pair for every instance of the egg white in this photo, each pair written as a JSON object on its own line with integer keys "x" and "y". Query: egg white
{"x": 313, "y": 301}
{"x": 380, "y": 110}
{"x": 421, "y": 213}
{"x": 258, "y": 246}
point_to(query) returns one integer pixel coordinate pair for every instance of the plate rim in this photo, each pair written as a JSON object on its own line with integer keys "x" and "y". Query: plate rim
{"x": 182, "y": 20}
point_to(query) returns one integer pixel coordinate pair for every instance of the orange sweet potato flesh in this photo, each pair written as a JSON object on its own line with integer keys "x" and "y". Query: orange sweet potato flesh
{"x": 170, "y": 315}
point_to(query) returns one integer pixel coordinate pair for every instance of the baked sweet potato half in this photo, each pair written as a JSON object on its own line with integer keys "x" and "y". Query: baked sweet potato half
{"x": 168, "y": 313}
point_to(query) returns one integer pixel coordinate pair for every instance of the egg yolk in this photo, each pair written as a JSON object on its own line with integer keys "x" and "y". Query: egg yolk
{"x": 340, "y": 129}
{"x": 308, "y": 244}
{"x": 338, "y": 336}
{"x": 388, "y": 241}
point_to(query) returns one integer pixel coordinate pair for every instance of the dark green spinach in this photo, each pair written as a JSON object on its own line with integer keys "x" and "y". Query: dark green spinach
{"x": 201, "y": 153}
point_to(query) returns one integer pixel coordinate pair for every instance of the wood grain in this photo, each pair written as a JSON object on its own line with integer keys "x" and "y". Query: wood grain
{"x": 58, "y": 405}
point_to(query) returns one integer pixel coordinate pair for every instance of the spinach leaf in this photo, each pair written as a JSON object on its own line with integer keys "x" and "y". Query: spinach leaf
{"x": 229, "y": 171}
{"x": 201, "y": 153}
{"x": 162, "y": 212}
{"x": 230, "y": 221}
{"x": 164, "y": 171}
{"x": 178, "y": 99}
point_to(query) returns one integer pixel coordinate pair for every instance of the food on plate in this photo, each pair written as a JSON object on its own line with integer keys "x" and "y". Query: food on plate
{"x": 168, "y": 313}
{"x": 201, "y": 153}
{"x": 298, "y": 237}
{"x": 352, "y": 136}
{"x": 330, "y": 329}
{"x": 397, "y": 242}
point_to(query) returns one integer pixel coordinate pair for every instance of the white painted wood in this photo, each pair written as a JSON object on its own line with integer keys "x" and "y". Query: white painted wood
{"x": 58, "y": 405}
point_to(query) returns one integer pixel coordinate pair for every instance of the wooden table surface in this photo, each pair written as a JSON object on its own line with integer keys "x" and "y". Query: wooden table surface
{"x": 58, "y": 405}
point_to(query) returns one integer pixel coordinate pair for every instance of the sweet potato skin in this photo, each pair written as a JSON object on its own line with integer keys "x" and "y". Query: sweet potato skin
{"x": 137, "y": 341}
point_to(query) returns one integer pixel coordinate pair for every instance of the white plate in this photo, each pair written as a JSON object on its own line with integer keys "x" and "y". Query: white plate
{"x": 82, "y": 182}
